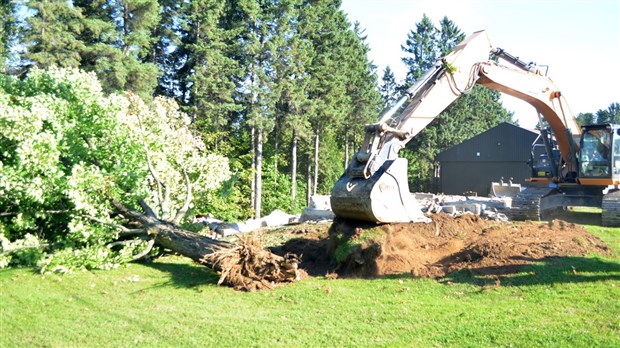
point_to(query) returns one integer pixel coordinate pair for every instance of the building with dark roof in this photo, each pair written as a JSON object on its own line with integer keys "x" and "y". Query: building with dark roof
{"x": 500, "y": 152}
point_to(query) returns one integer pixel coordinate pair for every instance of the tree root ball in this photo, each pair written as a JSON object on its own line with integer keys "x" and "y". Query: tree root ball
{"x": 248, "y": 266}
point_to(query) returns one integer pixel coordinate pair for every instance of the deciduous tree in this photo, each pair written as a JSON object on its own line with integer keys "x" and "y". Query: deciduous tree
{"x": 74, "y": 157}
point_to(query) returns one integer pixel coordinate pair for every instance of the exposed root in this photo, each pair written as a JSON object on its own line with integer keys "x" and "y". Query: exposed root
{"x": 248, "y": 266}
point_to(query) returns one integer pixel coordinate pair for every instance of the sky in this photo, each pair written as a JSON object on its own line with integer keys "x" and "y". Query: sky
{"x": 578, "y": 40}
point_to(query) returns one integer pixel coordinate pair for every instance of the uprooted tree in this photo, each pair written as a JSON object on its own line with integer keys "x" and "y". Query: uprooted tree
{"x": 89, "y": 180}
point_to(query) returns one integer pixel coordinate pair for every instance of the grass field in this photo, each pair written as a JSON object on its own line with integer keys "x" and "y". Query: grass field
{"x": 563, "y": 302}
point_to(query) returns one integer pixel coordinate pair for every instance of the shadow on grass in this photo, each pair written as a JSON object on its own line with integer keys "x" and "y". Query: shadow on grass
{"x": 185, "y": 275}
{"x": 540, "y": 272}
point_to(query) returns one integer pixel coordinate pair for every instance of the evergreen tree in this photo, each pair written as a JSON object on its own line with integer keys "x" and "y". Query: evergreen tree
{"x": 450, "y": 35}
{"x": 166, "y": 52}
{"x": 611, "y": 115}
{"x": 334, "y": 45}
{"x": 362, "y": 90}
{"x": 8, "y": 30}
{"x": 117, "y": 38}
{"x": 584, "y": 119}
{"x": 389, "y": 88}
{"x": 422, "y": 44}
{"x": 51, "y": 37}
{"x": 211, "y": 70}
{"x": 290, "y": 61}
{"x": 256, "y": 22}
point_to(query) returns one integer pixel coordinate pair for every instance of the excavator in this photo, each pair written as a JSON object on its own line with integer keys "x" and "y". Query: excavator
{"x": 374, "y": 186}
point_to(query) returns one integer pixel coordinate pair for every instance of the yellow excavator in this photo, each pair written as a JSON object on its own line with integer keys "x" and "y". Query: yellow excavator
{"x": 374, "y": 187}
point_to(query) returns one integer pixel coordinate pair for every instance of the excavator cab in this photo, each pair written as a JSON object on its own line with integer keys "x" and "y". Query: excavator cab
{"x": 599, "y": 155}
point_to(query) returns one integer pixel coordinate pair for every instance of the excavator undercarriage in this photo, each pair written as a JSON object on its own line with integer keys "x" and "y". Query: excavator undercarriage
{"x": 536, "y": 203}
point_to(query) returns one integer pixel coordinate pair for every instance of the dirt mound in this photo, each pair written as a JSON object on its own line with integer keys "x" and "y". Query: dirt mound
{"x": 439, "y": 248}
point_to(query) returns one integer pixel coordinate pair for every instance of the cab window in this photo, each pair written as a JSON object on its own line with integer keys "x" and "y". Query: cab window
{"x": 595, "y": 153}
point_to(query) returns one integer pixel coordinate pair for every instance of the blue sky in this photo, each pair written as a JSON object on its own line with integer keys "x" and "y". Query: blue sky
{"x": 579, "y": 40}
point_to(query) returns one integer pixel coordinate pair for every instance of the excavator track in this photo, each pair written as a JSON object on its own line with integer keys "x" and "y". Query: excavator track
{"x": 611, "y": 209}
{"x": 526, "y": 204}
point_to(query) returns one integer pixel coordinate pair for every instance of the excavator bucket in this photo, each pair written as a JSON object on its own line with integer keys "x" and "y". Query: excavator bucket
{"x": 382, "y": 198}
{"x": 499, "y": 189}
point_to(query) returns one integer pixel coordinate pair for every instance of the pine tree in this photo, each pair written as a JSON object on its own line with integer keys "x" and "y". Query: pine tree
{"x": 166, "y": 51}
{"x": 450, "y": 35}
{"x": 291, "y": 59}
{"x": 8, "y": 31}
{"x": 329, "y": 33}
{"x": 389, "y": 88}
{"x": 361, "y": 88}
{"x": 611, "y": 115}
{"x": 422, "y": 44}
{"x": 584, "y": 119}
{"x": 211, "y": 72}
{"x": 117, "y": 38}
{"x": 51, "y": 37}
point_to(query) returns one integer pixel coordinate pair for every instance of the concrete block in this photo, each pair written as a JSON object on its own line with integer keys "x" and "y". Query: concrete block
{"x": 311, "y": 214}
{"x": 321, "y": 202}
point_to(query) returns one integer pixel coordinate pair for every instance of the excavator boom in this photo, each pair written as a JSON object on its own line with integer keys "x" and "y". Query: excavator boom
{"x": 374, "y": 186}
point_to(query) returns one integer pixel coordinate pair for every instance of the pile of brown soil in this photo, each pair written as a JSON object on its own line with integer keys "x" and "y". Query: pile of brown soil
{"x": 441, "y": 247}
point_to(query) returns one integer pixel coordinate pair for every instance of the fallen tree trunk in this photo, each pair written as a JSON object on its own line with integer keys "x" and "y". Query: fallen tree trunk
{"x": 244, "y": 266}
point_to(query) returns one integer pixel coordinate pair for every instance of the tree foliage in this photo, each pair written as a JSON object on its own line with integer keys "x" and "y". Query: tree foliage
{"x": 389, "y": 88}
{"x": 52, "y": 35}
{"x": 601, "y": 116}
{"x": 70, "y": 151}
{"x": 8, "y": 31}
{"x": 111, "y": 38}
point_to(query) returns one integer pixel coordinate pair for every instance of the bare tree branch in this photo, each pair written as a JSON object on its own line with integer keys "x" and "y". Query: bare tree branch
{"x": 133, "y": 233}
{"x": 103, "y": 222}
{"x": 94, "y": 160}
{"x": 165, "y": 206}
{"x": 158, "y": 181}
{"x": 129, "y": 242}
{"x": 147, "y": 209}
{"x": 145, "y": 252}
{"x": 188, "y": 198}
{"x": 134, "y": 215}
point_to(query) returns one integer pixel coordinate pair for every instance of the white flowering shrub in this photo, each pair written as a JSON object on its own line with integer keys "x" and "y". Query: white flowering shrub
{"x": 26, "y": 252}
{"x": 67, "y": 150}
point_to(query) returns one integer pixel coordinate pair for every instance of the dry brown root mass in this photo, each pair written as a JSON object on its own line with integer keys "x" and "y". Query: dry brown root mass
{"x": 249, "y": 267}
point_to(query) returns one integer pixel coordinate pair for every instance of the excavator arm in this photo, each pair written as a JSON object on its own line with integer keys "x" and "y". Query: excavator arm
{"x": 374, "y": 186}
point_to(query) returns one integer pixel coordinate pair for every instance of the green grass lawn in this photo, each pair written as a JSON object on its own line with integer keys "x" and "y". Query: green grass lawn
{"x": 563, "y": 302}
